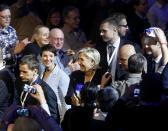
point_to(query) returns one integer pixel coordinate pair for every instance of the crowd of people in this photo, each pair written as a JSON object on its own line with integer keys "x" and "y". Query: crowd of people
{"x": 73, "y": 69}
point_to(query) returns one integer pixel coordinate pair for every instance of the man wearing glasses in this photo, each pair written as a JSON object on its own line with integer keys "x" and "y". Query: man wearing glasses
{"x": 8, "y": 37}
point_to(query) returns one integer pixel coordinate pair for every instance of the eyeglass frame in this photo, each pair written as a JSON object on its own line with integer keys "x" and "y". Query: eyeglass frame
{"x": 5, "y": 17}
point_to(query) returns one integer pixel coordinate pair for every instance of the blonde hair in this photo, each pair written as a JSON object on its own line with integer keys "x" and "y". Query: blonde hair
{"x": 91, "y": 53}
{"x": 36, "y": 32}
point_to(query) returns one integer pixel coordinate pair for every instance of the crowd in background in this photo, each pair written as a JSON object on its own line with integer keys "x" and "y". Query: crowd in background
{"x": 88, "y": 65}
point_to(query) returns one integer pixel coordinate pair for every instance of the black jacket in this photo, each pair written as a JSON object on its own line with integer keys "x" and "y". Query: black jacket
{"x": 49, "y": 95}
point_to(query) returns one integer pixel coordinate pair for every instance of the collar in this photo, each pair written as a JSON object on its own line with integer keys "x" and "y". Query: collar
{"x": 2, "y": 67}
{"x": 4, "y": 30}
{"x": 137, "y": 75}
{"x": 157, "y": 59}
{"x": 115, "y": 44}
{"x": 35, "y": 80}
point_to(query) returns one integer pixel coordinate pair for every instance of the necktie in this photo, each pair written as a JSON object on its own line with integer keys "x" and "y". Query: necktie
{"x": 110, "y": 49}
{"x": 153, "y": 66}
{"x": 110, "y": 52}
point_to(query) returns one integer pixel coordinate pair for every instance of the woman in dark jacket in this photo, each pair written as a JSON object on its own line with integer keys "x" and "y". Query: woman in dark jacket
{"x": 87, "y": 76}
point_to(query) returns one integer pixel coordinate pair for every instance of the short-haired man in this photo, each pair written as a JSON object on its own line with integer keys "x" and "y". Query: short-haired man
{"x": 29, "y": 66}
{"x": 109, "y": 56}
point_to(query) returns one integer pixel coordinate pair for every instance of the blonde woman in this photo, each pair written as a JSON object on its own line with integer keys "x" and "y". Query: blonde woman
{"x": 87, "y": 76}
{"x": 38, "y": 40}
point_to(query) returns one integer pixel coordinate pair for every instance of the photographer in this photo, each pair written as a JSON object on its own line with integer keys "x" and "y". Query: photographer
{"x": 31, "y": 118}
{"x": 28, "y": 67}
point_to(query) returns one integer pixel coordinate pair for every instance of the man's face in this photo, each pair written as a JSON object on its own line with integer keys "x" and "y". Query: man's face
{"x": 57, "y": 39}
{"x": 73, "y": 19}
{"x": 123, "y": 27}
{"x": 106, "y": 32}
{"x": 150, "y": 45}
{"x": 5, "y": 18}
{"x": 26, "y": 74}
{"x": 123, "y": 61}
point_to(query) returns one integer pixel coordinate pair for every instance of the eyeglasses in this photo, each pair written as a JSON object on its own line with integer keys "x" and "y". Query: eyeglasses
{"x": 6, "y": 17}
{"x": 126, "y": 26}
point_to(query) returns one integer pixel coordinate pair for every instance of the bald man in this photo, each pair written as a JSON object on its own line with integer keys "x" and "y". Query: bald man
{"x": 63, "y": 60}
{"x": 125, "y": 52}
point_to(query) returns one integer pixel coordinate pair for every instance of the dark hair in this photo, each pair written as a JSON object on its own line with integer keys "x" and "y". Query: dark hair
{"x": 4, "y": 7}
{"x": 135, "y": 2}
{"x": 68, "y": 9}
{"x": 51, "y": 12}
{"x": 49, "y": 48}
{"x": 88, "y": 96}
{"x": 111, "y": 21}
{"x": 106, "y": 98}
{"x": 136, "y": 63}
{"x": 118, "y": 16}
{"x": 26, "y": 124}
{"x": 31, "y": 61}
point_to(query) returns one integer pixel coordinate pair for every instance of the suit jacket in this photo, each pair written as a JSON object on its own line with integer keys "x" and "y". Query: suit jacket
{"x": 77, "y": 79}
{"x": 120, "y": 73}
{"x": 154, "y": 67}
{"x": 49, "y": 95}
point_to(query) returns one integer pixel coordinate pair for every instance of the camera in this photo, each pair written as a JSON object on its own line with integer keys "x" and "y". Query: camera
{"x": 150, "y": 32}
{"x": 29, "y": 89}
{"x": 22, "y": 112}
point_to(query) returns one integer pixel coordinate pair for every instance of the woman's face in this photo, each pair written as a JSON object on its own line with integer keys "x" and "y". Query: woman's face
{"x": 42, "y": 37}
{"x": 48, "y": 59}
{"x": 85, "y": 62}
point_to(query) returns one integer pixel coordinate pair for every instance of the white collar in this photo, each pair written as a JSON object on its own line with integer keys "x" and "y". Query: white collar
{"x": 157, "y": 59}
{"x": 2, "y": 67}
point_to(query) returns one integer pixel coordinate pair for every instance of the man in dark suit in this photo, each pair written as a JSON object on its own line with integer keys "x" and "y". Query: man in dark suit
{"x": 28, "y": 67}
{"x": 109, "y": 31}
{"x": 155, "y": 47}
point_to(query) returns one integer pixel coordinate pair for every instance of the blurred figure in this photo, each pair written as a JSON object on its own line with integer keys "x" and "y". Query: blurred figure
{"x": 138, "y": 20}
{"x": 81, "y": 115}
{"x": 7, "y": 88}
{"x": 31, "y": 118}
{"x": 25, "y": 18}
{"x": 158, "y": 14}
{"x": 53, "y": 19}
{"x": 75, "y": 38}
